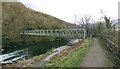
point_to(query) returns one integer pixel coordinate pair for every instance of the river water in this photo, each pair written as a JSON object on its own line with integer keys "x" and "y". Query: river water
{"x": 31, "y": 51}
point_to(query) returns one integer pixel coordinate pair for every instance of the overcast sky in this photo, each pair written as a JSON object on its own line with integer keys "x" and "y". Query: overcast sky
{"x": 66, "y": 9}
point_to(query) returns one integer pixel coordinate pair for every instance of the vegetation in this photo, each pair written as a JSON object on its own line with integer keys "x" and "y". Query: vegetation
{"x": 108, "y": 53}
{"x": 18, "y": 18}
{"x": 70, "y": 57}
{"x": 106, "y": 30}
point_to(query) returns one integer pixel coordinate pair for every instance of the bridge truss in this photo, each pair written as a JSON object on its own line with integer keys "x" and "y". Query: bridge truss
{"x": 65, "y": 33}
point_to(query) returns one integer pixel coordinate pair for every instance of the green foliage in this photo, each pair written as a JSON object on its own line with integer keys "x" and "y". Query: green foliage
{"x": 111, "y": 35}
{"x": 107, "y": 21}
{"x": 18, "y": 18}
{"x": 71, "y": 60}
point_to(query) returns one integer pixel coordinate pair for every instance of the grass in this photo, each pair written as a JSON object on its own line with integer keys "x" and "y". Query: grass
{"x": 68, "y": 58}
{"x": 40, "y": 57}
{"x": 72, "y": 59}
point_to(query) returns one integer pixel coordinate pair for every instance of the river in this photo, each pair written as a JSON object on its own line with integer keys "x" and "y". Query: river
{"x": 31, "y": 51}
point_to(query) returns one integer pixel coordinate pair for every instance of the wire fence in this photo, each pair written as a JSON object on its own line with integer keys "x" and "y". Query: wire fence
{"x": 114, "y": 51}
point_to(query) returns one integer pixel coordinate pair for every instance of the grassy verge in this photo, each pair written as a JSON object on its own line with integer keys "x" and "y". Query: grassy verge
{"x": 39, "y": 58}
{"x": 108, "y": 54}
{"x": 72, "y": 57}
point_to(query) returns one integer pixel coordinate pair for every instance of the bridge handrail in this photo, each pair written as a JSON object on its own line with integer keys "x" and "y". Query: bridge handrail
{"x": 64, "y": 32}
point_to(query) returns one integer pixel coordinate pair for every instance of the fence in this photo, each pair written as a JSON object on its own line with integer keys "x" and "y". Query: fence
{"x": 114, "y": 51}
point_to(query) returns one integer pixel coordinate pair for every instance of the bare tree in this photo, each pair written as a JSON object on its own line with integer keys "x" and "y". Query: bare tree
{"x": 106, "y": 19}
{"x": 84, "y": 22}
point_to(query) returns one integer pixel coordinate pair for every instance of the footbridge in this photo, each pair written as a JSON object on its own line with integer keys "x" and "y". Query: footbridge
{"x": 65, "y": 33}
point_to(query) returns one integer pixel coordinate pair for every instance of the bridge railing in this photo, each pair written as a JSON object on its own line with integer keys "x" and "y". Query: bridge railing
{"x": 67, "y": 33}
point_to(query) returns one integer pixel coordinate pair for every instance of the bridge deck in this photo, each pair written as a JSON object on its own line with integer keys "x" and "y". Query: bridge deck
{"x": 67, "y": 33}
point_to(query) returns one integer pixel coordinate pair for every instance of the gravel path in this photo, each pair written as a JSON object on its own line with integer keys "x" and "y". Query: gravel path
{"x": 95, "y": 56}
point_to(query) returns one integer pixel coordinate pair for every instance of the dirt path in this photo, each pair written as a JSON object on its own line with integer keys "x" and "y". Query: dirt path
{"x": 95, "y": 56}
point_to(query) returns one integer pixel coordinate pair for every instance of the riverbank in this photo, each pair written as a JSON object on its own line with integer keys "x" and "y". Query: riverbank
{"x": 35, "y": 59}
{"x": 29, "y": 62}
{"x": 23, "y": 55}
{"x": 70, "y": 57}
{"x": 58, "y": 50}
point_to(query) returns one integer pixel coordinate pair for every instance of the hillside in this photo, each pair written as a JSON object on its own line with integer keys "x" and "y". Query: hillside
{"x": 17, "y": 18}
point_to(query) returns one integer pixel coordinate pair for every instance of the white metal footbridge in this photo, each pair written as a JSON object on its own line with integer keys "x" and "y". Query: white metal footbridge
{"x": 66, "y": 33}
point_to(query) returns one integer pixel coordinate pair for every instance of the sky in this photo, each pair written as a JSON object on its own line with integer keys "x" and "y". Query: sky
{"x": 67, "y": 9}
